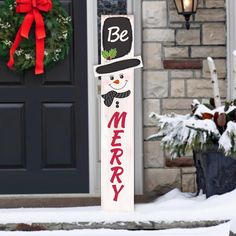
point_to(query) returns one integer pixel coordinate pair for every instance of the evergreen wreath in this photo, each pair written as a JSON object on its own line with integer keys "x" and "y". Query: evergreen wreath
{"x": 58, "y": 29}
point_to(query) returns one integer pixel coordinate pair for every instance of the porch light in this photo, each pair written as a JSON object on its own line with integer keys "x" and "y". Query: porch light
{"x": 186, "y": 8}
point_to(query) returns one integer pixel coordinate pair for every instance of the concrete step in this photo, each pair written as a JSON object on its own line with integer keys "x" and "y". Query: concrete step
{"x": 58, "y": 200}
{"x": 150, "y": 225}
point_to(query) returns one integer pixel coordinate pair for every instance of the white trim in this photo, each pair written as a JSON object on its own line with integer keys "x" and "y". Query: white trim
{"x": 231, "y": 46}
{"x": 133, "y": 7}
{"x": 138, "y": 99}
{"x": 130, "y": 5}
{"x": 92, "y": 91}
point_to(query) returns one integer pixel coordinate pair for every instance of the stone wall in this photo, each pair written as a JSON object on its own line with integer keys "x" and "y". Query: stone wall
{"x": 176, "y": 72}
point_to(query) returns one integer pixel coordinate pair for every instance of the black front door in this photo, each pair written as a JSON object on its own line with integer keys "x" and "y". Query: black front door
{"x": 44, "y": 122}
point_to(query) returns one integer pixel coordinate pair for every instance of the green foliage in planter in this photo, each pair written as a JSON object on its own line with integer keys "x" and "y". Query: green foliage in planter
{"x": 204, "y": 127}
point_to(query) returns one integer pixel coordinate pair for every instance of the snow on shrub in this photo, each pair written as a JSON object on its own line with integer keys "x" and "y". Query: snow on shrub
{"x": 204, "y": 127}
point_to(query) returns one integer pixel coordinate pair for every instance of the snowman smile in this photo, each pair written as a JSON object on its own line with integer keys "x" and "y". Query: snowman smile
{"x": 119, "y": 88}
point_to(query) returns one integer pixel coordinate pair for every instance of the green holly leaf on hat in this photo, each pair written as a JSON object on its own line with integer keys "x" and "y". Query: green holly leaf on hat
{"x": 105, "y": 54}
{"x": 113, "y": 53}
{"x": 109, "y": 55}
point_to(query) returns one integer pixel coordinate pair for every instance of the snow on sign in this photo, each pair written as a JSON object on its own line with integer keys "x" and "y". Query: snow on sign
{"x": 117, "y": 112}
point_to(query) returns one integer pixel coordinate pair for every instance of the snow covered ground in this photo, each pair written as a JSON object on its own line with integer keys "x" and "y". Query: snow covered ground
{"x": 174, "y": 206}
{"x": 221, "y": 230}
{"x": 233, "y": 226}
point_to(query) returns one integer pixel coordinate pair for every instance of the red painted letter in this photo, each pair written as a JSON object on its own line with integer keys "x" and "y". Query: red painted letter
{"x": 115, "y": 137}
{"x": 117, "y": 171}
{"x": 117, "y": 118}
{"x": 117, "y": 191}
{"x": 117, "y": 152}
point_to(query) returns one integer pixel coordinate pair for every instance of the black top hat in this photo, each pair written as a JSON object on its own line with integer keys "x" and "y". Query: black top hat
{"x": 119, "y": 65}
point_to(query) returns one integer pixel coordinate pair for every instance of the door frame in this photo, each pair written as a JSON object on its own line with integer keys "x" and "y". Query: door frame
{"x": 133, "y": 7}
{"x": 231, "y": 46}
{"x": 55, "y": 200}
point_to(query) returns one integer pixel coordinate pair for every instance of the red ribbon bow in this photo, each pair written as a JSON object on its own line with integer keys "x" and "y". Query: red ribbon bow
{"x": 32, "y": 8}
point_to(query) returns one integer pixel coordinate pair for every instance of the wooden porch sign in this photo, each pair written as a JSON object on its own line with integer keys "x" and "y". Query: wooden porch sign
{"x": 117, "y": 112}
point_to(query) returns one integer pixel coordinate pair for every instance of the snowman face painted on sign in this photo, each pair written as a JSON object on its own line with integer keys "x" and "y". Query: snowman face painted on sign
{"x": 116, "y": 87}
{"x": 118, "y": 81}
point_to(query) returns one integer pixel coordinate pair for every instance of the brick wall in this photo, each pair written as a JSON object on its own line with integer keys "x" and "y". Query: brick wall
{"x": 176, "y": 72}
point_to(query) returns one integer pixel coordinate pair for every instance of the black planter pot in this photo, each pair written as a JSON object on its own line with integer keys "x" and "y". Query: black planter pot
{"x": 216, "y": 173}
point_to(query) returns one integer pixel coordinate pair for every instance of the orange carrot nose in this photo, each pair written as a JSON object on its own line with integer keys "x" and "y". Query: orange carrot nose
{"x": 116, "y": 81}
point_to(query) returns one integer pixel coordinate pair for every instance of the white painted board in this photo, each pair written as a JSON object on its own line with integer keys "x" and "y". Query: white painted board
{"x": 117, "y": 111}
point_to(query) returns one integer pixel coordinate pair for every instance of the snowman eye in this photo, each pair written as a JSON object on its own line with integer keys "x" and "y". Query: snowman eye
{"x": 111, "y": 77}
{"x": 121, "y": 76}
